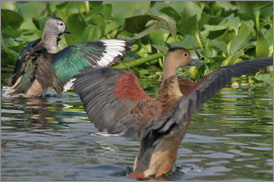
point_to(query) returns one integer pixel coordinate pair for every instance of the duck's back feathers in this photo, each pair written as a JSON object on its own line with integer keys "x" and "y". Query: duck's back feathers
{"x": 21, "y": 63}
{"x": 108, "y": 95}
{"x": 73, "y": 59}
{"x": 195, "y": 97}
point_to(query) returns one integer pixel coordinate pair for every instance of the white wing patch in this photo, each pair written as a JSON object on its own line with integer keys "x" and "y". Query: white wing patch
{"x": 69, "y": 84}
{"x": 114, "y": 48}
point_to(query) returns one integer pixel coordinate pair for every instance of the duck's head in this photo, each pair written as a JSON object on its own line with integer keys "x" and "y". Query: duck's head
{"x": 178, "y": 57}
{"x": 56, "y": 26}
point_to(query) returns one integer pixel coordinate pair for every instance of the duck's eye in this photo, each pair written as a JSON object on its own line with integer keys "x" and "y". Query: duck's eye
{"x": 61, "y": 24}
{"x": 185, "y": 54}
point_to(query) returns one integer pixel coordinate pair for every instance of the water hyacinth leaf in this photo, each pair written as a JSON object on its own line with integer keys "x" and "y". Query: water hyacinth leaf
{"x": 91, "y": 33}
{"x": 157, "y": 36}
{"x": 94, "y": 4}
{"x": 76, "y": 24}
{"x": 188, "y": 42}
{"x": 234, "y": 23}
{"x": 251, "y": 7}
{"x": 11, "y": 18}
{"x": 227, "y": 5}
{"x": 73, "y": 7}
{"x": 191, "y": 8}
{"x": 9, "y": 31}
{"x": 61, "y": 10}
{"x": 267, "y": 12}
{"x": 36, "y": 23}
{"x": 219, "y": 45}
{"x": 105, "y": 9}
{"x": 204, "y": 19}
{"x": 125, "y": 9}
{"x": 98, "y": 20}
{"x": 168, "y": 24}
{"x": 137, "y": 24}
{"x": 146, "y": 30}
{"x": 29, "y": 9}
{"x": 242, "y": 38}
{"x": 215, "y": 27}
{"x": 268, "y": 35}
{"x": 187, "y": 29}
{"x": 171, "y": 12}
{"x": 261, "y": 46}
{"x": 111, "y": 26}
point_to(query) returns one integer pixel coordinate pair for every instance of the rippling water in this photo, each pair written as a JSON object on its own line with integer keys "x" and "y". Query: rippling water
{"x": 230, "y": 138}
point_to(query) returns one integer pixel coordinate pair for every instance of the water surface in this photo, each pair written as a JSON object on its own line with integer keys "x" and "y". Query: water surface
{"x": 230, "y": 138}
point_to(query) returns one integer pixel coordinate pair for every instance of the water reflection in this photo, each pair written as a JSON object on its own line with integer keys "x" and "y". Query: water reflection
{"x": 230, "y": 138}
{"x": 33, "y": 110}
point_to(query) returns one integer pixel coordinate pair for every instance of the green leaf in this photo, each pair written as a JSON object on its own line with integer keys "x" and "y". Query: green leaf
{"x": 251, "y": 6}
{"x": 215, "y": 27}
{"x": 91, "y": 33}
{"x": 9, "y": 31}
{"x": 124, "y": 9}
{"x": 219, "y": 45}
{"x": 188, "y": 42}
{"x": 31, "y": 9}
{"x": 242, "y": 38}
{"x": 171, "y": 12}
{"x": 190, "y": 26}
{"x": 191, "y": 8}
{"x": 268, "y": 35}
{"x": 36, "y": 23}
{"x": 11, "y": 18}
{"x": 204, "y": 19}
{"x": 137, "y": 24}
{"x": 98, "y": 20}
{"x": 261, "y": 46}
{"x": 73, "y": 7}
{"x": 106, "y": 10}
{"x": 146, "y": 31}
{"x": 76, "y": 24}
{"x": 227, "y": 5}
{"x": 114, "y": 24}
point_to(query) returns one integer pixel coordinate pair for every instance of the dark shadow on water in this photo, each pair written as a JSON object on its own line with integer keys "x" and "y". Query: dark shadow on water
{"x": 175, "y": 174}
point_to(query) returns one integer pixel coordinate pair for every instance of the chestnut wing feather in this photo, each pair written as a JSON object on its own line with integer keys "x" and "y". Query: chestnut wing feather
{"x": 108, "y": 96}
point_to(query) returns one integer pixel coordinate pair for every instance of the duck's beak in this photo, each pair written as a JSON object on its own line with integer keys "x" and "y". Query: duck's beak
{"x": 195, "y": 63}
{"x": 67, "y": 31}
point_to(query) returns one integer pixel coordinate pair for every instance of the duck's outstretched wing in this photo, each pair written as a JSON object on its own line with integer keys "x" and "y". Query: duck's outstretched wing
{"x": 75, "y": 58}
{"x": 21, "y": 63}
{"x": 203, "y": 91}
{"x": 108, "y": 95}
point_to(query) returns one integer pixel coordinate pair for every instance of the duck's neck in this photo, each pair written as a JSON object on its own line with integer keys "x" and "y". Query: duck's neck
{"x": 170, "y": 85}
{"x": 49, "y": 41}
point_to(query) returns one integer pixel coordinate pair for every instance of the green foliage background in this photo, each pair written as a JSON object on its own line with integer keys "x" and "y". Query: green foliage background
{"x": 219, "y": 33}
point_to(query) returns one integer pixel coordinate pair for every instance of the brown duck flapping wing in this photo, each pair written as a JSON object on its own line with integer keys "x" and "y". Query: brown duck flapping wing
{"x": 108, "y": 96}
{"x": 203, "y": 91}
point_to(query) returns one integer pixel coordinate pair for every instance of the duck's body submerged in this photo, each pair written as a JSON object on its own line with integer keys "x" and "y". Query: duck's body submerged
{"x": 39, "y": 66}
{"x": 114, "y": 100}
